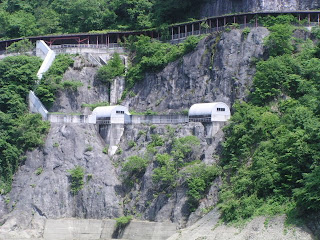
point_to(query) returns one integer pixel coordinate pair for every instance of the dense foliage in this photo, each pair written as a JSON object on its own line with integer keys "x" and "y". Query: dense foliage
{"x": 19, "y": 131}
{"x": 51, "y": 81}
{"x": 77, "y": 175}
{"x": 113, "y": 68}
{"x": 271, "y": 152}
{"x": 151, "y": 55}
{"x": 29, "y": 17}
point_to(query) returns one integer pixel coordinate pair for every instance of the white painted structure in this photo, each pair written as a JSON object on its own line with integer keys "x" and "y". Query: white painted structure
{"x": 209, "y": 112}
{"x": 48, "y": 56}
{"x": 111, "y": 114}
{"x": 36, "y": 106}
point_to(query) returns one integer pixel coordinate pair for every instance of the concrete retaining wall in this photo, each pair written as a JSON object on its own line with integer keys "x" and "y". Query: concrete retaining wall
{"x": 48, "y": 56}
{"x": 35, "y": 106}
{"x": 67, "y": 229}
{"x": 63, "y": 118}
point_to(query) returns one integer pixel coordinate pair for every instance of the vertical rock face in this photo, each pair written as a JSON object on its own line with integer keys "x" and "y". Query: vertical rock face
{"x": 219, "y": 70}
{"x": 92, "y": 91}
{"x": 41, "y": 188}
{"x": 220, "y": 7}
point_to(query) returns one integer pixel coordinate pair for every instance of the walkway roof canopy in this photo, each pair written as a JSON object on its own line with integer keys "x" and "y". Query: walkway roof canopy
{"x": 109, "y": 111}
{"x": 218, "y": 111}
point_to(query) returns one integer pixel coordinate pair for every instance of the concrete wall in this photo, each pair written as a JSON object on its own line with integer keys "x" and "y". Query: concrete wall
{"x": 48, "y": 56}
{"x": 159, "y": 119}
{"x": 66, "y": 229}
{"x": 116, "y": 89}
{"x": 64, "y": 118}
{"x": 35, "y": 105}
{"x": 111, "y": 134}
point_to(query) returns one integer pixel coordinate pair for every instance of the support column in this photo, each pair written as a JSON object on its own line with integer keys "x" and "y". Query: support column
{"x": 210, "y": 23}
{"x": 97, "y": 40}
{"x": 234, "y": 19}
{"x": 172, "y": 33}
{"x": 186, "y": 30}
{"x": 88, "y": 41}
{"x": 200, "y": 28}
{"x": 245, "y": 21}
{"x": 309, "y": 19}
{"x": 179, "y": 32}
{"x": 256, "y": 21}
{"x": 318, "y": 20}
{"x": 224, "y": 21}
{"x": 192, "y": 28}
{"x": 217, "y": 25}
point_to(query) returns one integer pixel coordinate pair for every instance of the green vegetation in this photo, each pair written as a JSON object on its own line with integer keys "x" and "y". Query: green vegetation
{"x": 271, "y": 151}
{"x": 151, "y": 55}
{"x": 123, "y": 221}
{"x": 279, "y": 41}
{"x": 39, "y": 171}
{"x": 51, "y": 81}
{"x": 72, "y": 85}
{"x": 19, "y": 130}
{"x": 21, "y": 46}
{"x": 112, "y": 69}
{"x": 156, "y": 141}
{"x": 199, "y": 178}
{"x": 77, "y": 182}
{"x": 135, "y": 166}
{"x": 246, "y": 31}
{"x": 30, "y": 18}
{"x": 132, "y": 144}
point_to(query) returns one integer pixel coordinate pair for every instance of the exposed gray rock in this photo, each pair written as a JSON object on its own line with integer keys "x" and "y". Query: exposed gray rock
{"x": 47, "y": 195}
{"x": 220, "y": 7}
{"x": 259, "y": 228}
{"x": 92, "y": 91}
{"x": 3, "y": 209}
{"x": 143, "y": 199}
{"x": 219, "y": 70}
{"x": 116, "y": 90}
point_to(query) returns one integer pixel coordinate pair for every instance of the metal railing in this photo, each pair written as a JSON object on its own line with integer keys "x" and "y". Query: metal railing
{"x": 94, "y": 46}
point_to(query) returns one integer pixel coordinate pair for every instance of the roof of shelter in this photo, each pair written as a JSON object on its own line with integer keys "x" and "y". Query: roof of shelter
{"x": 108, "y": 110}
{"x": 200, "y": 109}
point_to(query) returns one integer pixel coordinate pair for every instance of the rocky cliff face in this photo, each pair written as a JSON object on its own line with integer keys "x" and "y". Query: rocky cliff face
{"x": 92, "y": 91}
{"x": 41, "y": 188}
{"x": 219, "y": 70}
{"x": 220, "y": 7}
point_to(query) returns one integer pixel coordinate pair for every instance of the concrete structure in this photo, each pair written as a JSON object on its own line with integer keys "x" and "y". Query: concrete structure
{"x": 158, "y": 119}
{"x": 110, "y": 122}
{"x": 212, "y": 115}
{"x": 111, "y": 114}
{"x": 209, "y": 112}
{"x": 65, "y": 118}
{"x": 36, "y": 106}
{"x": 62, "y": 229}
{"x": 48, "y": 56}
